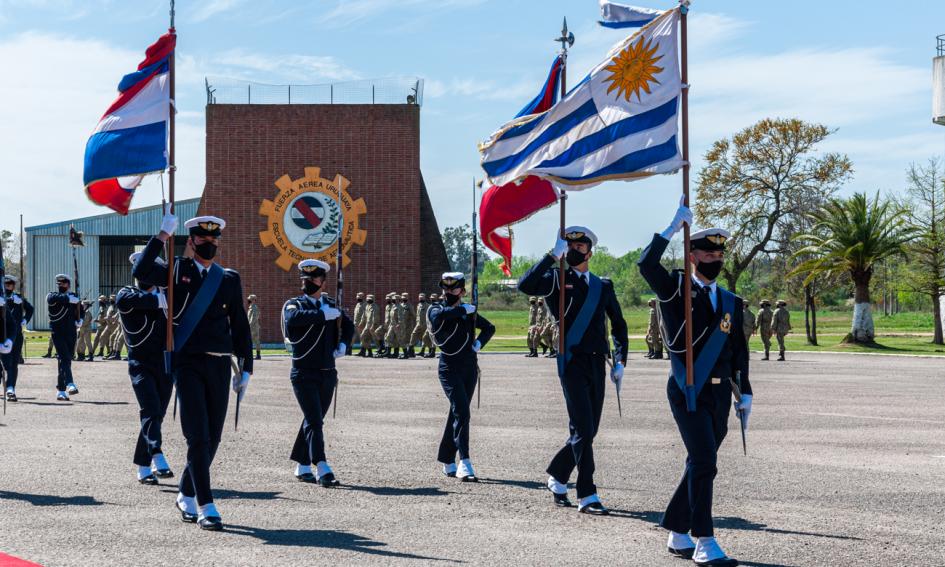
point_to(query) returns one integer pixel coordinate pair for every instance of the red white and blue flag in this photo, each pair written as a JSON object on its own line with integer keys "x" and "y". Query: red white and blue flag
{"x": 505, "y": 205}
{"x": 130, "y": 140}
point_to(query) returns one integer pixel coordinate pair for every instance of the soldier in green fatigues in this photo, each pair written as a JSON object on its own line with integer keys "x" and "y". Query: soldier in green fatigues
{"x": 369, "y": 324}
{"x": 252, "y": 312}
{"x": 763, "y": 325}
{"x": 427, "y": 336}
{"x": 532, "y": 327}
{"x": 654, "y": 341}
{"x": 781, "y": 325}
{"x": 359, "y": 322}
{"x": 749, "y": 324}
{"x": 84, "y": 344}
{"x": 420, "y": 326}
{"x": 408, "y": 322}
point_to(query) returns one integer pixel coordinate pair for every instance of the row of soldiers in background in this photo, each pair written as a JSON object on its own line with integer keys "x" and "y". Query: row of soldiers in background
{"x": 542, "y": 329}
{"x": 401, "y": 329}
{"x": 768, "y": 323}
{"x": 109, "y": 338}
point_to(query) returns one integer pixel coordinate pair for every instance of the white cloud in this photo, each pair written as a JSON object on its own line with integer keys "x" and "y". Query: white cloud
{"x": 348, "y": 12}
{"x": 482, "y": 89}
{"x": 209, "y": 8}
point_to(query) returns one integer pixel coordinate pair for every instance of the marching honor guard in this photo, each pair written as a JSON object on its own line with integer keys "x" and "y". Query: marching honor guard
{"x": 582, "y": 365}
{"x": 21, "y": 311}
{"x": 142, "y": 316}
{"x": 310, "y": 326}
{"x": 453, "y": 326}
{"x": 211, "y": 326}
{"x": 10, "y": 324}
{"x": 64, "y": 318}
{"x": 720, "y": 356}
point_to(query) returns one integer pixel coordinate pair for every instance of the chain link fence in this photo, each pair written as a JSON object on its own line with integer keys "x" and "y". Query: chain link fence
{"x": 391, "y": 90}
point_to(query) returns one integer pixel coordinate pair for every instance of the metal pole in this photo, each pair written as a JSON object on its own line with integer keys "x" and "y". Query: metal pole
{"x": 339, "y": 261}
{"x": 171, "y": 170}
{"x": 564, "y": 196}
{"x": 475, "y": 287}
{"x": 687, "y": 283}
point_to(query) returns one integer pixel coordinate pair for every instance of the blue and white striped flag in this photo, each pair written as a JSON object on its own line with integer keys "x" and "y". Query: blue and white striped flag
{"x": 620, "y": 122}
{"x": 615, "y": 15}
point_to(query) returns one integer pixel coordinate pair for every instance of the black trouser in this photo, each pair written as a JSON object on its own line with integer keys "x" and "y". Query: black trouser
{"x": 203, "y": 391}
{"x": 11, "y": 361}
{"x": 153, "y": 388}
{"x": 64, "y": 340}
{"x": 458, "y": 378}
{"x": 690, "y": 509}
{"x": 583, "y": 386}
{"x": 313, "y": 390}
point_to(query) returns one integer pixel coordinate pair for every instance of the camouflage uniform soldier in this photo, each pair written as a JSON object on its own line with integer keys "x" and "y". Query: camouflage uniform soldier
{"x": 763, "y": 325}
{"x": 420, "y": 328}
{"x": 408, "y": 322}
{"x": 654, "y": 341}
{"x": 427, "y": 337}
{"x": 749, "y": 323}
{"x": 369, "y": 324}
{"x": 49, "y": 348}
{"x": 549, "y": 335}
{"x": 392, "y": 332}
{"x": 104, "y": 338}
{"x": 359, "y": 321}
{"x": 99, "y": 323}
{"x": 117, "y": 339}
{"x": 781, "y": 325}
{"x": 84, "y": 343}
{"x": 381, "y": 330}
{"x": 252, "y": 313}
{"x": 532, "y": 336}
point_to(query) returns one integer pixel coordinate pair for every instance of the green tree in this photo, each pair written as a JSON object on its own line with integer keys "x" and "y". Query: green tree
{"x": 852, "y": 235}
{"x": 760, "y": 179}
{"x": 458, "y": 243}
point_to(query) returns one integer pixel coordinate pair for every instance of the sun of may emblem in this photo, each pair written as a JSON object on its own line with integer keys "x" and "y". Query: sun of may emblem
{"x": 633, "y": 69}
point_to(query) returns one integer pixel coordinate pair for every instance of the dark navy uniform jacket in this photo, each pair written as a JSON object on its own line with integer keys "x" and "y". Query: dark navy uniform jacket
{"x": 22, "y": 311}
{"x": 62, "y": 314}
{"x": 313, "y": 339}
{"x": 542, "y": 279}
{"x": 705, "y": 319}
{"x": 143, "y": 322}
{"x": 453, "y": 331}
{"x": 224, "y": 328}
{"x": 11, "y": 325}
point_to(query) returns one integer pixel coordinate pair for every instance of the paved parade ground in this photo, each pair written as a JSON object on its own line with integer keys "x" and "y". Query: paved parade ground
{"x": 844, "y": 467}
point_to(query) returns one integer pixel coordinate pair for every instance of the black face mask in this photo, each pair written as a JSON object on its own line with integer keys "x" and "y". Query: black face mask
{"x": 711, "y": 270}
{"x": 575, "y": 257}
{"x": 370, "y": 301}
{"x": 452, "y": 299}
{"x": 309, "y": 287}
{"x": 206, "y": 250}
{"x": 63, "y": 289}
{"x": 144, "y": 287}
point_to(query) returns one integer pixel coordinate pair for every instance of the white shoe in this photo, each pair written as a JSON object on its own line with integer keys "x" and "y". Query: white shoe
{"x": 321, "y": 469}
{"x": 187, "y": 504}
{"x": 449, "y": 469}
{"x": 680, "y": 545}
{"x": 62, "y": 396}
{"x": 465, "y": 471}
{"x": 556, "y": 487}
{"x": 71, "y": 388}
{"x": 707, "y": 549}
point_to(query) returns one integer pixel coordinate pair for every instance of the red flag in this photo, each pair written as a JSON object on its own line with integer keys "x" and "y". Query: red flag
{"x": 501, "y": 207}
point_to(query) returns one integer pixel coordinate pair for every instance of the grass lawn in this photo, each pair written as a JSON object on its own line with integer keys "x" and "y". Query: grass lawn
{"x": 903, "y": 333}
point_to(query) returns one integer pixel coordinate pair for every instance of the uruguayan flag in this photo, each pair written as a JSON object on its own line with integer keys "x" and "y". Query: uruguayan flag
{"x": 622, "y": 16}
{"x": 618, "y": 123}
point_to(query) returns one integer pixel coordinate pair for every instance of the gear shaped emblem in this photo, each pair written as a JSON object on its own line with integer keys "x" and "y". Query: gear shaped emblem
{"x": 306, "y": 216}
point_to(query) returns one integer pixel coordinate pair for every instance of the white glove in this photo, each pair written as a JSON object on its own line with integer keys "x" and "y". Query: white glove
{"x": 470, "y": 308}
{"x": 341, "y": 350}
{"x": 476, "y": 346}
{"x": 616, "y": 375}
{"x": 240, "y": 383}
{"x": 73, "y": 298}
{"x": 23, "y": 323}
{"x": 78, "y": 324}
{"x": 744, "y": 407}
{"x": 561, "y": 247}
{"x": 330, "y": 312}
{"x": 6, "y": 347}
{"x": 17, "y": 300}
{"x": 683, "y": 217}
{"x": 169, "y": 223}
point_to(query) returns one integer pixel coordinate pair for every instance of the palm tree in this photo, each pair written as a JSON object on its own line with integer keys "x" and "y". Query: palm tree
{"x": 851, "y": 235}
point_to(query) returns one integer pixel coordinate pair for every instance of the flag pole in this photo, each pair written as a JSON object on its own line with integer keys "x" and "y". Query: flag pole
{"x": 566, "y": 40}
{"x": 687, "y": 283}
{"x": 171, "y": 168}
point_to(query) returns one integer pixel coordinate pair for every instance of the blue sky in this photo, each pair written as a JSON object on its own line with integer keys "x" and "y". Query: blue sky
{"x": 862, "y": 67}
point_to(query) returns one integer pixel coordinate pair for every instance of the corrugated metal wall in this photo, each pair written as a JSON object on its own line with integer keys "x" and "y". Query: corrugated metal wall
{"x": 49, "y": 253}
